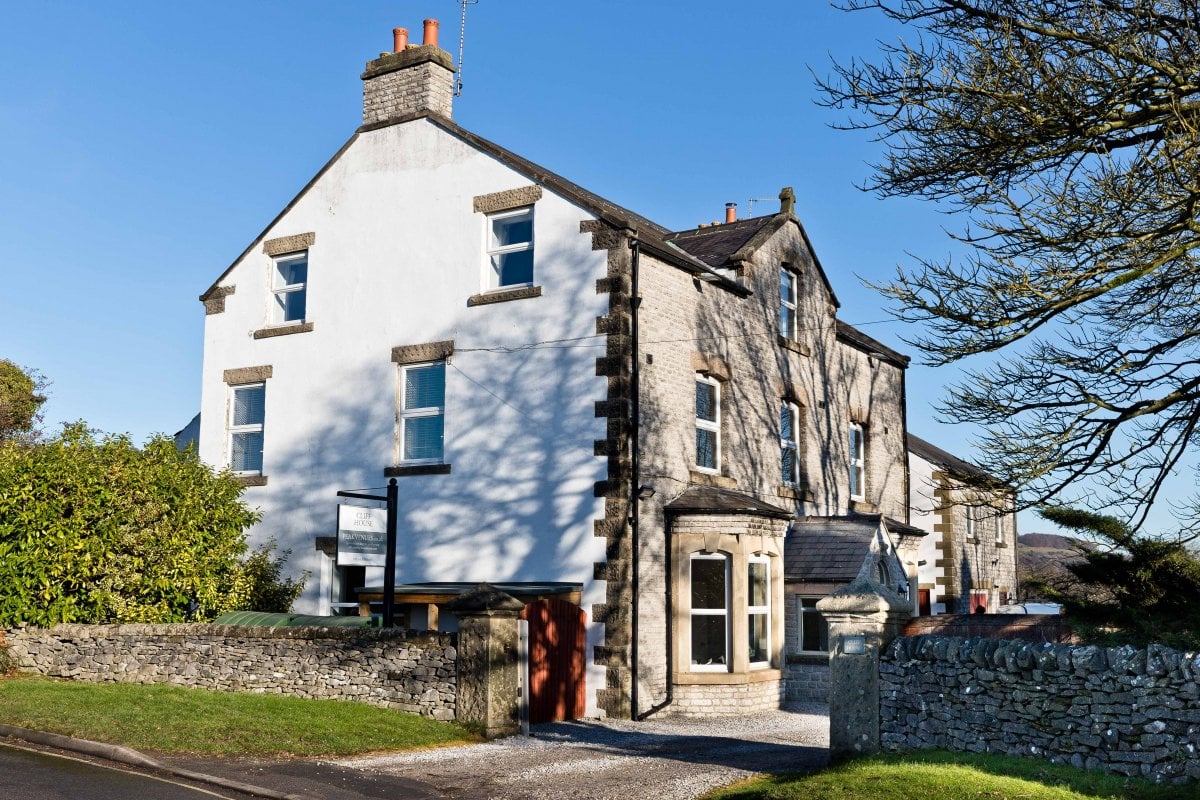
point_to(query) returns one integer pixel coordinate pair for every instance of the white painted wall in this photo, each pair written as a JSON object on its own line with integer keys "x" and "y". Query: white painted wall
{"x": 398, "y": 251}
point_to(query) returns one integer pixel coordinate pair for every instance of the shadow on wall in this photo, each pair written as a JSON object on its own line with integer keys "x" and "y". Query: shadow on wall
{"x": 519, "y": 431}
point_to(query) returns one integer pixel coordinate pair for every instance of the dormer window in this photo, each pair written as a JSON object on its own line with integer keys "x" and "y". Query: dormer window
{"x": 289, "y": 288}
{"x": 510, "y": 249}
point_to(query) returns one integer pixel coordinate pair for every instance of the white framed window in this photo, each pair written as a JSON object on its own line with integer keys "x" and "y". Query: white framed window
{"x": 972, "y": 523}
{"x": 858, "y": 450}
{"x": 758, "y": 610}
{"x": 789, "y": 326}
{"x": 789, "y": 442}
{"x": 708, "y": 424}
{"x": 422, "y": 414}
{"x": 510, "y": 249}
{"x": 710, "y": 612}
{"x": 247, "y": 415}
{"x": 289, "y": 288}
{"x": 814, "y": 630}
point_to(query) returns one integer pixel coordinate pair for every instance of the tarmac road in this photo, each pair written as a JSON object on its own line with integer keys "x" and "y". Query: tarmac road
{"x": 27, "y": 774}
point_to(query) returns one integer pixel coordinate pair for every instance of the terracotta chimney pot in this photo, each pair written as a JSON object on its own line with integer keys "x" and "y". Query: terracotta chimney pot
{"x": 731, "y": 212}
{"x": 400, "y": 37}
{"x": 431, "y": 33}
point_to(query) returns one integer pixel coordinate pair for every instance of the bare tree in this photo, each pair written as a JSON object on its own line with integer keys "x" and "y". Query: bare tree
{"x": 1066, "y": 133}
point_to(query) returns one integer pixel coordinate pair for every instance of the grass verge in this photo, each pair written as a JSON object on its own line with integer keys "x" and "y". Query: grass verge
{"x": 172, "y": 719}
{"x": 936, "y": 775}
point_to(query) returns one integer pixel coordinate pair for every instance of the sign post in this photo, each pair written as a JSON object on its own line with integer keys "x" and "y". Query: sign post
{"x": 362, "y": 538}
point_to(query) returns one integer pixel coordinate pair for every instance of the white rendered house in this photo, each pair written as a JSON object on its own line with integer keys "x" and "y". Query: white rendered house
{"x": 574, "y": 401}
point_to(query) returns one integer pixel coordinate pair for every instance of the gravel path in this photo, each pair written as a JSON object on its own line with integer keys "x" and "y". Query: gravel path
{"x": 664, "y": 759}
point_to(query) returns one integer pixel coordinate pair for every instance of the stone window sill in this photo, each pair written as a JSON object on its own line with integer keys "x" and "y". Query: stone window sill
{"x": 504, "y": 295}
{"x": 794, "y": 493}
{"x": 794, "y": 346}
{"x": 283, "y": 330}
{"x": 817, "y": 659}
{"x": 726, "y": 678}
{"x": 252, "y": 480}
{"x": 709, "y": 479}
{"x": 416, "y": 469}
{"x": 863, "y": 507}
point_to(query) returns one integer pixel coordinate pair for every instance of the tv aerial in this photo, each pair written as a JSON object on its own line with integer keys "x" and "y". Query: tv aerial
{"x": 462, "y": 35}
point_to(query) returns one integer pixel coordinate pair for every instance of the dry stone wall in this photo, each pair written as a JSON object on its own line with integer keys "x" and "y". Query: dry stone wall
{"x": 407, "y": 670}
{"x": 1125, "y": 710}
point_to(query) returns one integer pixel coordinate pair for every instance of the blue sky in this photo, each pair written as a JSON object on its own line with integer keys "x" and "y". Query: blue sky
{"x": 143, "y": 145}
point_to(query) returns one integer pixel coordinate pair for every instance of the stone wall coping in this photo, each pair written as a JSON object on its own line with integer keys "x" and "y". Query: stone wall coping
{"x": 1018, "y": 655}
{"x": 194, "y": 629}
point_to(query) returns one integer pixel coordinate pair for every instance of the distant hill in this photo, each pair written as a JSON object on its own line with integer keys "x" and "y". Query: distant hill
{"x": 1045, "y": 556}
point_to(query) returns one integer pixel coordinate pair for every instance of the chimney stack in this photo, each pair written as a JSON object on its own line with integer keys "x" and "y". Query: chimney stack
{"x": 411, "y": 81}
{"x": 731, "y": 212}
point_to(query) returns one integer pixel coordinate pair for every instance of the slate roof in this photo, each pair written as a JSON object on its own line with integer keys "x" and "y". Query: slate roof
{"x": 868, "y": 344}
{"x": 828, "y": 549}
{"x": 710, "y": 500}
{"x": 715, "y": 244}
{"x": 833, "y": 549}
{"x": 947, "y": 461}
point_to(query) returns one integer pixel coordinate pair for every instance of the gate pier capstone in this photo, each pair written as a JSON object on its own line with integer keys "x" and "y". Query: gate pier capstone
{"x": 863, "y": 616}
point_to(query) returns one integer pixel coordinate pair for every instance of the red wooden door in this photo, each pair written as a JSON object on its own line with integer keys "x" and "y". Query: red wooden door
{"x": 556, "y": 660}
{"x": 924, "y": 607}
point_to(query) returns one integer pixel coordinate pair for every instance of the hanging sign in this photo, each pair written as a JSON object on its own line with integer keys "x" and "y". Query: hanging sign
{"x": 361, "y": 536}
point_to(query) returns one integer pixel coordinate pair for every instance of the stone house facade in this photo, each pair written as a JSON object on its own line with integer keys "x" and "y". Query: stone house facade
{"x": 670, "y": 428}
{"x": 969, "y": 558}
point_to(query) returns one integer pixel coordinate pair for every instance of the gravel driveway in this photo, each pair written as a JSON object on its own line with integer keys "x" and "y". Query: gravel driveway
{"x": 664, "y": 759}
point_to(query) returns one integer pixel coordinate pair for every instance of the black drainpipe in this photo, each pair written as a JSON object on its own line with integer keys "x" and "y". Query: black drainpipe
{"x": 635, "y": 418}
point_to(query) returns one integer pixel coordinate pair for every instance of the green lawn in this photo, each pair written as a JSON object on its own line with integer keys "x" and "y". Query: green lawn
{"x": 171, "y": 719}
{"x": 950, "y": 776}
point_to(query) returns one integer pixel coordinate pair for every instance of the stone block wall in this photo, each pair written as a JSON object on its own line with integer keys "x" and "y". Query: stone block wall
{"x": 806, "y": 679}
{"x": 1125, "y": 710}
{"x": 704, "y": 700}
{"x": 406, "y": 670}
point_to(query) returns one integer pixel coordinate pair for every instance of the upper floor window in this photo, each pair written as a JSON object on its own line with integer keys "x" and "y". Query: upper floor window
{"x": 289, "y": 287}
{"x": 788, "y": 303}
{"x": 758, "y": 610}
{"x": 247, "y": 414}
{"x": 858, "y": 450}
{"x": 708, "y": 424}
{"x": 789, "y": 442}
{"x": 971, "y": 522}
{"x": 422, "y": 413}
{"x": 510, "y": 249}
{"x": 710, "y": 612}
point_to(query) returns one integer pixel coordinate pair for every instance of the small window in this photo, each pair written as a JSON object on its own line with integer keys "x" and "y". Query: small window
{"x": 788, "y": 303}
{"x": 710, "y": 612}
{"x": 972, "y": 532}
{"x": 247, "y": 412}
{"x": 858, "y": 478}
{"x": 510, "y": 249}
{"x": 789, "y": 443}
{"x": 814, "y": 630}
{"x": 758, "y": 609}
{"x": 422, "y": 413}
{"x": 289, "y": 287}
{"x": 708, "y": 424}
